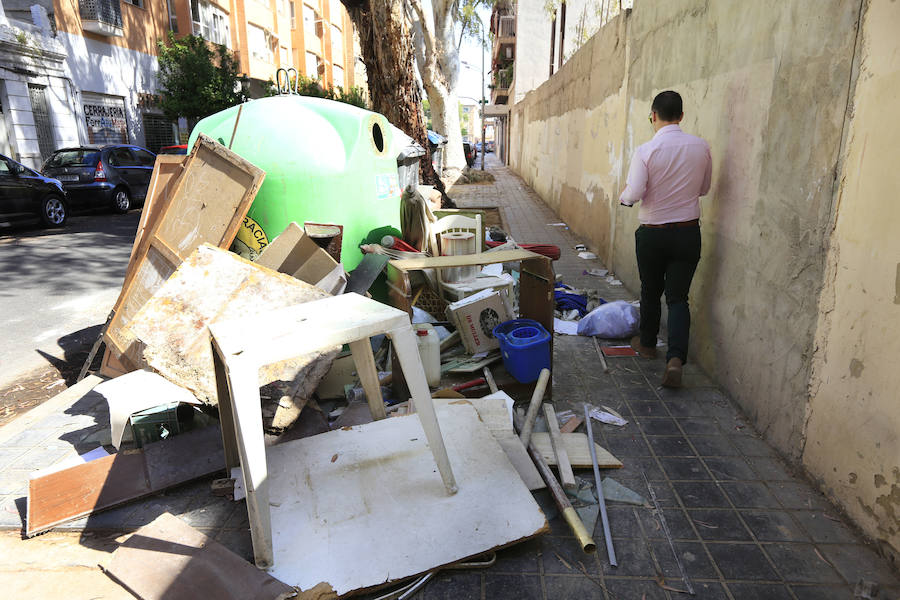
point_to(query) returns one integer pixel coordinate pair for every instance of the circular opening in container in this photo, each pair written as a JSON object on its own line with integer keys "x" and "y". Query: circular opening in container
{"x": 378, "y": 137}
{"x": 525, "y": 333}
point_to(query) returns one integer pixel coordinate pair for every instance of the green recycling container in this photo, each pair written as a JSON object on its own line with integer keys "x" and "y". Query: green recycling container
{"x": 325, "y": 162}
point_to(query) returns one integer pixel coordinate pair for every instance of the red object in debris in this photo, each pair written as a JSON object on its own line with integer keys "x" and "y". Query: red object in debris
{"x": 548, "y": 250}
{"x": 395, "y": 243}
{"x": 469, "y": 384}
{"x": 618, "y": 351}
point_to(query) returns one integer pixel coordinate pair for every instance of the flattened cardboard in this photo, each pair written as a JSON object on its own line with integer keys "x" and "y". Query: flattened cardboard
{"x": 475, "y": 320}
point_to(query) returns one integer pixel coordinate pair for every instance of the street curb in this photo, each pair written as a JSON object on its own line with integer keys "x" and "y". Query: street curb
{"x": 56, "y": 404}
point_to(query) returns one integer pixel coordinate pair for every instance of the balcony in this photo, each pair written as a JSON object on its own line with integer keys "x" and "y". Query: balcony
{"x": 505, "y": 42}
{"x": 502, "y": 81}
{"x": 103, "y": 17}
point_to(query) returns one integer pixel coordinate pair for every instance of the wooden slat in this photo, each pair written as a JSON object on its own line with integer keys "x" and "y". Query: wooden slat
{"x": 206, "y": 203}
{"x": 485, "y": 258}
{"x": 113, "y": 480}
{"x": 576, "y": 445}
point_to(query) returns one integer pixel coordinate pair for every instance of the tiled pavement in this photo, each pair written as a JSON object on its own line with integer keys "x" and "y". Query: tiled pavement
{"x": 745, "y": 526}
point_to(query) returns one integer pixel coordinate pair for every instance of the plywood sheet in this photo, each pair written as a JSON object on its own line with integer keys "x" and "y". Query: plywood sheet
{"x": 357, "y": 508}
{"x": 205, "y": 203}
{"x": 168, "y": 559}
{"x": 576, "y": 445}
{"x": 106, "y": 482}
{"x": 216, "y": 285}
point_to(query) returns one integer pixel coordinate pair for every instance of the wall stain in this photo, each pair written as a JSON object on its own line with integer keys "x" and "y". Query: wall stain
{"x": 856, "y": 367}
{"x": 852, "y": 477}
{"x": 897, "y": 285}
{"x": 880, "y": 480}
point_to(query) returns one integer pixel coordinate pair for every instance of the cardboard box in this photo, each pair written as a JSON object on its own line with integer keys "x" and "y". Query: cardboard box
{"x": 475, "y": 318}
{"x": 296, "y": 254}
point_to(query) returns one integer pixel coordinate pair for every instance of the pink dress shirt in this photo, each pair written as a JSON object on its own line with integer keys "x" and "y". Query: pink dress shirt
{"x": 669, "y": 174}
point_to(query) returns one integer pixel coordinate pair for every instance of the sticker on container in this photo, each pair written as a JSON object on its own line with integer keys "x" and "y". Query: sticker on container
{"x": 387, "y": 186}
{"x": 250, "y": 239}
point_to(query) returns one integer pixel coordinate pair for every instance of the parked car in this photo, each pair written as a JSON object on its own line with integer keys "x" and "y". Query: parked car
{"x": 115, "y": 176}
{"x": 26, "y": 194}
{"x": 179, "y": 149}
{"x": 469, "y": 149}
{"x": 489, "y": 146}
{"x": 478, "y": 146}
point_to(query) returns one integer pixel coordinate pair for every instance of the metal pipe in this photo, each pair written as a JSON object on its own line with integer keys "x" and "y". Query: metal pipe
{"x": 600, "y": 499}
{"x": 559, "y": 496}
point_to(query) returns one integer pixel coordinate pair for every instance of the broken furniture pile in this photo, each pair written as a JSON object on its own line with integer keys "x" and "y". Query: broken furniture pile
{"x": 313, "y": 396}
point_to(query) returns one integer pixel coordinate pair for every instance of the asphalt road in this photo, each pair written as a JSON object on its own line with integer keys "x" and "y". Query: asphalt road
{"x": 57, "y": 287}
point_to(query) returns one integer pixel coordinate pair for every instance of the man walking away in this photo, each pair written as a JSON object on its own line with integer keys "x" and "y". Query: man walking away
{"x": 668, "y": 175}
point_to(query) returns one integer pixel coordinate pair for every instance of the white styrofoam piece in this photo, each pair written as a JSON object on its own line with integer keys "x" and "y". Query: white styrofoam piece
{"x": 363, "y": 506}
{"x": 137, "y": 391}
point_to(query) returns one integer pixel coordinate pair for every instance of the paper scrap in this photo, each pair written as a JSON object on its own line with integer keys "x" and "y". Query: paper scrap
{"x": 597, "y": 272}
{"x": 609, "y": 419}
{"x": 560, "y": 224}
{"x": 612, "y": 280}
{"x": 494, "y": 270}
{"x": 587, "y": 255}
{"x": 565, "y": 327}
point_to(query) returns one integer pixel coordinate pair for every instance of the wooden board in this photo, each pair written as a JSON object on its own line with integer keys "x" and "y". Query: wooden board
{"x": 357, "y": 508}
{"x": 113, "y": 480}
{"x": 209, "y": 200}
{"x": 612, "y": 351}
{"x": 576, "y": 445}
{"x": 170, "y": 560}
{"x": 214, "y": 285}
{"x": 465, "y": 260}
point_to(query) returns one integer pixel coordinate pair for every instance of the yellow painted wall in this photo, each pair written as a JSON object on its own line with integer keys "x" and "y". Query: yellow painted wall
{"x": 853, "y": 433}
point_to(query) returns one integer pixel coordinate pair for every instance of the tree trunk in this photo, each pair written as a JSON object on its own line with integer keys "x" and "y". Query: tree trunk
{"x": 387, "y": 51}
{"x": 438, "y": 60}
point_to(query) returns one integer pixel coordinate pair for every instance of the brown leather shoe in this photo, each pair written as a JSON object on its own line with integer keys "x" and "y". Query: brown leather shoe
{"x": 644, "y": 351}
{"x": 672, "y": 376}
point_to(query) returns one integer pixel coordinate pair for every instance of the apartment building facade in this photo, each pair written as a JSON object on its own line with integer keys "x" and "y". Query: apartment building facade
{"x": 89, "y": 73}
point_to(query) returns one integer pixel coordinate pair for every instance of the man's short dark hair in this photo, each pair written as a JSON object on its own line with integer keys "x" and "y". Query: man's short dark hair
{"x": 667, "y": 105}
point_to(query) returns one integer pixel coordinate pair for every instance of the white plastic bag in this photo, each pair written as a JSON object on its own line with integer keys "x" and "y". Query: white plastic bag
{"x": 617, "y": 319}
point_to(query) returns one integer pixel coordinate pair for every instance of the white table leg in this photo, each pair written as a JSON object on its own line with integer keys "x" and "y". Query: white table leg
{"x": 411, "y": 363}
{"x": 243, "y": 381}
{"x": 368, "y": 376}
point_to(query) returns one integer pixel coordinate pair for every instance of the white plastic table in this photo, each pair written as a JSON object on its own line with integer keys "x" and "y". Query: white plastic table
{"x": 242, "y": 347}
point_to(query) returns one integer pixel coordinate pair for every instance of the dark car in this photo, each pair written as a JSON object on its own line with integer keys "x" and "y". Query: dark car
{"x": 469, "y": 150}
{"x": 179, "y": 149}
{"x": 26, "y": 194}
{"x": 94, "y": 177}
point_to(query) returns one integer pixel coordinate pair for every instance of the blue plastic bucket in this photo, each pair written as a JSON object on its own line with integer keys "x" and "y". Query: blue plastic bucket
{"x": 525, "y": 346}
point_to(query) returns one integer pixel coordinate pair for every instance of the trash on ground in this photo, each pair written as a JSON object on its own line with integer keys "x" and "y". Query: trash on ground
{"x": 617, "y": 319}
{"x": 614, "y": 491}
{"x": 568, "y": 299}
{"x": 565, "y": 327}
{"x": 607, "y": 417}
{"x": 296, "y": 254}
{"x": 170, "y": 560}
{"x": 475, "y": 317}
{"x": 613, "y": 351}
{"x": 576, "y": 445}
{"x": 587, "y": 255}
{"x": 596, "y": 272}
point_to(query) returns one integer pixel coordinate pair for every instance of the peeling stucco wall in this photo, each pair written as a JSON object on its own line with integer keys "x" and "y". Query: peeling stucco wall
{"x": 768, "y": 84}
{"x": 853, "y": 432}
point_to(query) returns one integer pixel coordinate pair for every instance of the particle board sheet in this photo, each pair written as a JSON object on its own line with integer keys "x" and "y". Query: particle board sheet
{"x": 361, "y": 507}
{"x": 113, "y": 480}
{"x": 207, "y": 204}
{"x": 170, "y": 560}
{"x": 576, "y": 445}
{"x": 217, "y": 285}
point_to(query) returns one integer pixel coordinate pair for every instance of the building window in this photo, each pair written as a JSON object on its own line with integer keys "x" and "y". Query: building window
{"x": 283, "y": 7}
{"x": 337, "y": 74}
{"x": 312, "y": 65}
{"x": 309, "y": 19}
{"x": 285, "y": 57}
{"x": 293, "y": 16}
{"x": 258, "y": 41}
{"x": 173, "y": 18}
{"x": 210, "y": 22}
{"x": 334, "y": 11}
{"x": 138, "y": 3}
{"x": 337, "y": 45}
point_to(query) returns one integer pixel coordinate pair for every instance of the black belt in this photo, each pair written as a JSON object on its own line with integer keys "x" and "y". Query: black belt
{"x": 690, "y": 223}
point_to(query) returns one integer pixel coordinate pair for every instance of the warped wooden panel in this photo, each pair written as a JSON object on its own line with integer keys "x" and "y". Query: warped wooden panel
{"x": 204, "y": 203}
{"x": 113, "y": 480}
{"x": 576, "y": 445}
{"x": 166, "y": 170}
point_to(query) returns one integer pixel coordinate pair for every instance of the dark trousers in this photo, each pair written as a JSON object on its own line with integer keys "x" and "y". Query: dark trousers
{"x": 667, "y": 258}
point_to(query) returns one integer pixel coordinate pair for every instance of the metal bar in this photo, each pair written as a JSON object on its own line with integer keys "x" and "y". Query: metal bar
{"x": 600, "y": 499}
{"x": 490, "y": 380}
{"x": 559, "y": 496}
{"x": 665, "y": 528}
{"x": 90, "y": 357}
{"x": 531, "y": 415}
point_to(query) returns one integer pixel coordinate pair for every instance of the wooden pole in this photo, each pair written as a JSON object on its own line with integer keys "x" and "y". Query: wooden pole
{"x": 533, "y": 407}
